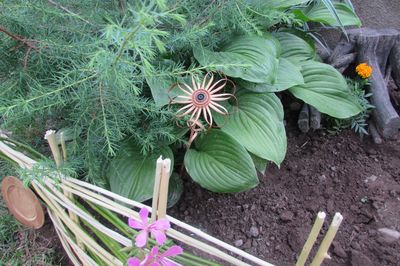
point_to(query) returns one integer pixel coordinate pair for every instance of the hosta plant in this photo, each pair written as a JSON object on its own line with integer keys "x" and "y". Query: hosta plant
{"x": 195, "y": 81}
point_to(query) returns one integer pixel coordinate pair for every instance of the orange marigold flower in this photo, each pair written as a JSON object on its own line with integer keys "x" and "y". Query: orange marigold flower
{"x": 364, "y": 70}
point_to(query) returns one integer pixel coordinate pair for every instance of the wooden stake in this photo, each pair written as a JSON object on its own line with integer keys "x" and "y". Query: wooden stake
{"x": 312, "y": 237}
{"x": 50, "y": 136}
{"x": 63, "y": 146}
{"x": 156, "y": 191}
{"x": 326, "y": 242}
{"x": 163, "y": 197}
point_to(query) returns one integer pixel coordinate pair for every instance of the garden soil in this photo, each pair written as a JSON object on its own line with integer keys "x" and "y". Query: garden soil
{"x": 322, "y": 172}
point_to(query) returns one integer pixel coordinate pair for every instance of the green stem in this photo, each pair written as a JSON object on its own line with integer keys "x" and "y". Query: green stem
{"x": 8, "y": 108}
{"x": 122, "y": 48}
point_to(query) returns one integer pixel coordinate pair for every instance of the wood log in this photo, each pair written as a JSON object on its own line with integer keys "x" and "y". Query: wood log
{"x": 344, "y": 61}
{"x": 374, "y": 133}
{"x": 315, "y": 118}
{"x": 344, "y": 47}
{"x": 395, "y": 63}
{"x": 304, "y": 119}
{"x": 374, "y": 48}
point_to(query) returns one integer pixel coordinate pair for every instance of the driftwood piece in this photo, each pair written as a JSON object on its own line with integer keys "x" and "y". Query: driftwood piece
{"x": 395, "y": 63}
{"x": 380, "y": 49}
{"x": 304, "y": 119}
{"x": 375, "y": 134}
{"x": 374, "y": 47}
{"x": 315, "y": 118}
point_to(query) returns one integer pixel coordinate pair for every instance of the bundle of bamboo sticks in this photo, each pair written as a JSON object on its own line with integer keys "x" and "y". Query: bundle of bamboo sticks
{"x": 73, "y": 206}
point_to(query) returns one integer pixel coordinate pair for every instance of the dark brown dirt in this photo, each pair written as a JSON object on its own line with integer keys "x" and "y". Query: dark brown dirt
{"x": 321, "y": 172}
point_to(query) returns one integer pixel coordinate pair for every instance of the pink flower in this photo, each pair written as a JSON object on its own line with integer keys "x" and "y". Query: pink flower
{"x": 157, "y": 259}
{"x": 156, "y": 228}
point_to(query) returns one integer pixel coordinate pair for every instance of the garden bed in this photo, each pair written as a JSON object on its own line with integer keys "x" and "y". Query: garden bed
{"x": 321, "y": 172}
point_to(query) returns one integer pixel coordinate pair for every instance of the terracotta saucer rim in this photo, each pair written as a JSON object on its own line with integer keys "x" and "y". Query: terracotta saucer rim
{"x": 35, "y": 222}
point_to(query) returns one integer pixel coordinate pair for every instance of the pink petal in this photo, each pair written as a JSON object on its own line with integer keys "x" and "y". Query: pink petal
{"x": 154, "y": 251}
{"x": 134, "y": 262}
{"x": 155, "y": 264}
{"x": 141, "y": 239}
{"x": 162, "y": 224}
{"x": 173, "y": 251}
{"x": 135, "y": 224}
{"x": 144, "y": 215}
{"x": 159, "y": 236}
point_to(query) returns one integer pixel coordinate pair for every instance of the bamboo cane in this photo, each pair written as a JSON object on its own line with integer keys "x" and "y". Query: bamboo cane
{"x": 183, "y": 225}
{"x": 312, "y": 237}
{"x": 326, "y": 242}
{"x": 74, "y": 228}
{"x": 63, "y": 146}
{"x": 156, "y": 192}
{"x": 50, "y": 136}
{"x": 104, "y": 202}
{"x": 163, "y": 195}
{"x": 28, "y": 164}
{"x": 64, "y": 243}
{"x": 67, "y": 243}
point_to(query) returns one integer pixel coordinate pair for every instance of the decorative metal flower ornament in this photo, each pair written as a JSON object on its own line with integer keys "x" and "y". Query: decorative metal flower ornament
{"x": 199, "y": 100}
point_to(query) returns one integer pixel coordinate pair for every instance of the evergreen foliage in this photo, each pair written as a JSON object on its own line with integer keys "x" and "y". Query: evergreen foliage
{"x": 88, "y": 66}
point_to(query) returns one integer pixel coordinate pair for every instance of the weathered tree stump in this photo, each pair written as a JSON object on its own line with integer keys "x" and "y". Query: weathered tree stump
{"x": 381, "y": 50}
{"x": 309, "y": 117}
{"x": 303, "y": 122}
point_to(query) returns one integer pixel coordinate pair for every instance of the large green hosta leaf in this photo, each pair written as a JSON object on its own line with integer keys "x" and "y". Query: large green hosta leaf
{"x": 276, "y": 4}
{"x": 221, "y": 164}
{"x": 294, "y": 48}
{"x": 251, "y": 58}
{"x": 257, "y": 123}
{"x": 288, "y": 76}
{"x": 259, "y": 163}
{"x": 321, "y": 13}
{"x": 131, "y": 174}
{"x": 327, "y": 90}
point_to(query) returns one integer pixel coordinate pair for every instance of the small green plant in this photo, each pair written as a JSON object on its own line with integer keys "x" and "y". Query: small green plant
{"x": 359, "y": 122}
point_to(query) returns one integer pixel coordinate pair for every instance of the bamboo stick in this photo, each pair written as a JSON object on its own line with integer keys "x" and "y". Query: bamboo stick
{"x": 63, "y": 146}
{"x": 156, "y": 191}
{"x": 312, "y": 237}
{"x": 50, "y": 136}
{"x": 62, "y": 234}
{"x": 64, "y": 243}
{"x": 75, "y": 229}
{"x": 163, "y": 196}
{"x": 66, "y": 203}
{"x": 326, "y": 242}
{"x": 174, "y": 221}
{"x": 171, "y": 232}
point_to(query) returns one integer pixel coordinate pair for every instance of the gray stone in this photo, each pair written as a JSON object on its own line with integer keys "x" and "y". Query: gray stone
{"x": 322, "y": 178}
{"x": 254, "y": 231}
{"x": 371, "y": 178}
{"x": 286, "y": 216}
{"x": 389, "y": 235}
{"x": 359, "y": 259}
{"x": 239, "y": 243}
{"x": 339, "y": 251}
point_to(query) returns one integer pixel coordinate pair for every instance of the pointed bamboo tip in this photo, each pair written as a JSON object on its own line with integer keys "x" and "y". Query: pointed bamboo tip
{"x": 167, "y": 164}
{"x": 321, "y": 215}
{"x": 49, "y": 133}
{"x": 337, "y": 219}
